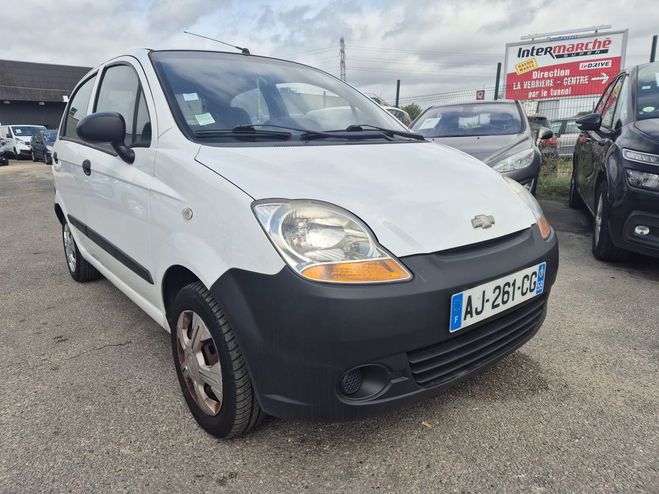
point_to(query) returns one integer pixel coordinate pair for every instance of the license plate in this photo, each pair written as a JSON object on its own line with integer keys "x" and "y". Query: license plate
{"x": 483, "y": 301}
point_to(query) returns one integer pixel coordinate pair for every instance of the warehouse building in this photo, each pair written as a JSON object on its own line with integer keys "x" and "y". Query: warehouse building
{"x": 35, "y": 93}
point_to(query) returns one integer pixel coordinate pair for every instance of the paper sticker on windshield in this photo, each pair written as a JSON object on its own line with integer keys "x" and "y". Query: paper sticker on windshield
{"x": 205, "y": 119}
{"x": 190, "y": 96}
{"x": 18, "y": 131}
{"x": 648, "y": 109}
{"x": 429, "y": 123}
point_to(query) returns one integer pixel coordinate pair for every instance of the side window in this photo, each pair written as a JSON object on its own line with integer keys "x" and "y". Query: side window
{"x": 621, "y": 115}
{"x": 571, "y": 127}
{"x": 78, "y": 108}
{"x": 254, "y": 104}
{"x": 556, "y": 127}
{"x": 599, "y": 108}
{"x": 610, "y": 106}
{"x": 121, "y": 92}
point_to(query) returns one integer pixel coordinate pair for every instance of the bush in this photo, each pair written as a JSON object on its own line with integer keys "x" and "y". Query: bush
{"x": 413, "y": 110}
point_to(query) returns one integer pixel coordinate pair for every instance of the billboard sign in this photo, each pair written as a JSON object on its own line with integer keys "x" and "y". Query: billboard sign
{"x": 564, "y": 66}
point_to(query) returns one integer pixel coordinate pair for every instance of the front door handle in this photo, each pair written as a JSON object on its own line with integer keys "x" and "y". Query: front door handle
{"x": 87, "y": 167}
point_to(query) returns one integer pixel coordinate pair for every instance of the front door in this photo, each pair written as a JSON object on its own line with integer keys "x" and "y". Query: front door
{"x": 117, "y": 196}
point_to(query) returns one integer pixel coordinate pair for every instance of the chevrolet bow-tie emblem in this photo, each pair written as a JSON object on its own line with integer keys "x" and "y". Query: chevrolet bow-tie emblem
{"x": 482, "y": 221}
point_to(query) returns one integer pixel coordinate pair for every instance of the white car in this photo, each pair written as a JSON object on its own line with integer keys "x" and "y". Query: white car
{"x": 16, "y": 138}
{"x": 304, "y": 271}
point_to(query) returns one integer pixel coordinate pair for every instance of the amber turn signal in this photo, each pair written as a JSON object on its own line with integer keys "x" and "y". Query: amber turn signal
{"x": 371, "y": 271}
{"x": 545, "y": 227}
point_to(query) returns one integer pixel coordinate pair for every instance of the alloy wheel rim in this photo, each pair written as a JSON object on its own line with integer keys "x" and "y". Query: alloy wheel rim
{"x": 69, "y": 249}
{"x": 598, "y": 220}
{"x": 199, "y": 362}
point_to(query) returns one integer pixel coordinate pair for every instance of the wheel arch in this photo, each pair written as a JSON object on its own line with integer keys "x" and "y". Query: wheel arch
{"x": 175, "y": 278}
{"x": 60, "y": 214}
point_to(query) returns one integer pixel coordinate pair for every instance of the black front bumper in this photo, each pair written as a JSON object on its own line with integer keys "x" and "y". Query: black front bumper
{"x": 630, "y": 207}
{"x": 300, "y": 337}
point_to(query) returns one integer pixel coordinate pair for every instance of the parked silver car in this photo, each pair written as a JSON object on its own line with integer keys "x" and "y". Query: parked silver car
{"x": 567, "y": 132}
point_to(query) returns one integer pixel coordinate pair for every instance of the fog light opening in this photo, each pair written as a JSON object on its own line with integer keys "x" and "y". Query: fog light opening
{"x": 364, "y": 382}
{"x": 351, "y": 381}
{"x": 642, "y": 230}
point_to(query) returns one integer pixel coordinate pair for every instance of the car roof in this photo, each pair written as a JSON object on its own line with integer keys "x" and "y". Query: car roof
{"x": 480, "y": 102}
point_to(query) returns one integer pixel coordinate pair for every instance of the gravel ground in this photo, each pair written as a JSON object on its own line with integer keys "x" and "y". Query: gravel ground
{"x": 91, "y": 402}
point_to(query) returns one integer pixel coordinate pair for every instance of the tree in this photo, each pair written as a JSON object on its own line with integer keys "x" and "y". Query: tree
{"x": 413, "y": 110}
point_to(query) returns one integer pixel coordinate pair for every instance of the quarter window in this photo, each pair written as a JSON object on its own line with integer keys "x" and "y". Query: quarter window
{"x": 610, "y": 106}
{"x": 121, "y": 92}
{"x": 78, "y": 108}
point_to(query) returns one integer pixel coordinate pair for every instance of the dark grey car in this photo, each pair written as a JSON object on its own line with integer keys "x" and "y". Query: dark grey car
{"x": 496, "y": 132}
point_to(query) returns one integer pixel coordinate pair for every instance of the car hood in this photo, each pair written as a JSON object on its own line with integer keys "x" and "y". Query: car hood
{"x": 23, "y": 140}
{"x": 416, "y": 197}
{"x": 649, "y": 127}
{"x": 481, "y": 147}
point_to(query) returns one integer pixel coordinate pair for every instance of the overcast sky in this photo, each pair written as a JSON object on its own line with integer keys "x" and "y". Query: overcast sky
{"x": 432, "y": 46}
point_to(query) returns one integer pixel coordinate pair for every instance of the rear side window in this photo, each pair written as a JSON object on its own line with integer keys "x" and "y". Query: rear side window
{"x": 78, "y": 108}
{"x": 121, "y": 92}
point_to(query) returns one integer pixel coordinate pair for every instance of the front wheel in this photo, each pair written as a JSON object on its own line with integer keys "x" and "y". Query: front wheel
{"x": 210, "y": 366}
{"x": 34, "y": 158}
{"x": 79, "y": 269}
{"x": 603, "y": 247}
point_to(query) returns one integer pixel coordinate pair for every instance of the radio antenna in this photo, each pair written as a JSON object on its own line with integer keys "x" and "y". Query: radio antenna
{"x": 244, "y": 51}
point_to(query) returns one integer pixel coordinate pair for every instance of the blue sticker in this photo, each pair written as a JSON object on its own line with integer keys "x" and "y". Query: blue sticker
{"x": 456, "y": 312}
{"x": 541, "y": 278}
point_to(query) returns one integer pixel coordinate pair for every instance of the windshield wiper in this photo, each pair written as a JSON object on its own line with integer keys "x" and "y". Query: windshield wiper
{"x": 392, "y": 132}
{"x": 242, "y": 131}
{"x": 307, "y": 134}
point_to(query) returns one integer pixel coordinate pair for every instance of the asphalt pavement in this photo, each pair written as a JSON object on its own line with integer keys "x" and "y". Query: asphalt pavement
{"x": 90, "y": 400}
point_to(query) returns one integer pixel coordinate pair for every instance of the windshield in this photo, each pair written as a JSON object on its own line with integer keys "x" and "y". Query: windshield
{"x": 482, "y": 119}
{"x": 211, "y": 91}
{"x": 25, "y": 130}
{"x": 647, "y": 105}
{"x": 49, "y": 136}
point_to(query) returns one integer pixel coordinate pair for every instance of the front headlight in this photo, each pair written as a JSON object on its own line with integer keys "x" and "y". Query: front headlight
{"x": 631, "y": 155}
{"x": 527, "y": 197}
{"x": 516, "y": 161}
{"x": 323, "y": 242}
{"x": 643, "y": 179}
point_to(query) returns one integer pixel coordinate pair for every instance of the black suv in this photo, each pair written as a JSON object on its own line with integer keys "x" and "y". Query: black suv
{"x": 616, "y": 165}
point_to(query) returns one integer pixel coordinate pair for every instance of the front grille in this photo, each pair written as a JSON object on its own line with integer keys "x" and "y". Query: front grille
{"x": 462, "y": 354}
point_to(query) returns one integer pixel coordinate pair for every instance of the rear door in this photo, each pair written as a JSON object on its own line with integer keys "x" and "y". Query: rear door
{"x": 117, "y": 196}
{"x": 67, "y": 167}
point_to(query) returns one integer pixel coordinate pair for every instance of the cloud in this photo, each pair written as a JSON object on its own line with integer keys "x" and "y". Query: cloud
{"x": 431, "y": 46}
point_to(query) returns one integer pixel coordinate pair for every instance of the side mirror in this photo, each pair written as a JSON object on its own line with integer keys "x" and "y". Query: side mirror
{"x": 8, "y": 136}
{"x": 545, "y": 133}
{"x": 106, "y": 127}
{"x": 592, "y": 121}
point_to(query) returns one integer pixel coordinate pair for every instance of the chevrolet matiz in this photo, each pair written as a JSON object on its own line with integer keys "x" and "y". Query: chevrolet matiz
{"x": 311, "y": 257}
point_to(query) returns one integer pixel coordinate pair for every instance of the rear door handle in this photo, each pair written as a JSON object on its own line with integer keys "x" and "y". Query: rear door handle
{"x": 87, "y": 167}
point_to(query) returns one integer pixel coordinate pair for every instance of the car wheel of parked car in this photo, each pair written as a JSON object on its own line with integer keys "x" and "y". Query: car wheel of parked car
{"x": 34, "y": 158}
{"x": 49, "y": 159}
{"x": 574, "y": 200}
{"x": 210, "y": 366}
{"x": 16, "y": 155}
{"x": 603, "y": 247}
{"x": 79, "y": 268}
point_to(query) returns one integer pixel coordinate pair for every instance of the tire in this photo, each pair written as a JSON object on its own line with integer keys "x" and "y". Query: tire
{"x": 16, "y": 155}
{"x": 34, "y": 158}
{"x": 603, "y": 247}
{"x": 79, "y": 269}
{"x": 212, "y": 349}
{"x": 574, "y": 200}
{"x": 48, "y": 159}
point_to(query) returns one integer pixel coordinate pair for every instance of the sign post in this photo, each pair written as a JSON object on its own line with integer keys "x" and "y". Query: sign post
{"x": 563, "y": 66}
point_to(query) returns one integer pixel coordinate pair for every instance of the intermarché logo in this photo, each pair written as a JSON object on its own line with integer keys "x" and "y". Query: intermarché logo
{"x": 567, "y": 50}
